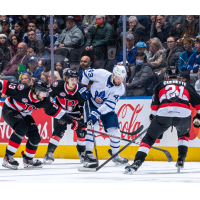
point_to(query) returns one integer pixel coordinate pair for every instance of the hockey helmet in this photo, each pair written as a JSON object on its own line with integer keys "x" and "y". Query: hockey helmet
{"x": 41, "y": 86}
{"x": 172, "y": 72}
{"x": 120, "y": 71}
{"x": 71, "y": 74}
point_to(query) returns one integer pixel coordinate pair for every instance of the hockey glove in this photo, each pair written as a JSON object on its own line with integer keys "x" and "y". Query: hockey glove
{"x": 94, "y": 116}
{"x": 151, "y": 117}
{"x": 196, "y": 121}
{"x": 77, "y": 125}
{"x": 85, "y": 93}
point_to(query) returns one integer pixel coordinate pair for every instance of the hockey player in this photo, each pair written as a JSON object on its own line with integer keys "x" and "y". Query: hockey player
{"x": 22, "y": 100}
{"x": 72, "y": 102}
{"x": 170, "y": 107}
{"x": 104, "y": 93}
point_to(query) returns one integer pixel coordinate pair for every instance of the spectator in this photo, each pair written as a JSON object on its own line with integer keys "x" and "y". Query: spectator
{"x": 20, "y": 58}
{"x": 26, "y": 78}
{"x": 184, "y": 76}
{"x": 56, "y": 77}
{"x": 142, "y": 47}
{"x": 189, "y": 28}
{"x": 59, "y": 68}
{"x": 18, "y": 27}
{"x": 175, "y": 20}
{"x": 25, "y": 21}
{"x": 5, "y": 28}
{"x": 14, "y": 43}
{"x": 56, "y": 33}
{"x": 136, "y": 29}
{"x": 5, "y": 17}
{"x": 70, "y": 37}
{"x": 31, "y": 51}
{"x": 40, "y": 62}
{"x": 194, "y": 62}
{"x": 34, "y": 71}
{"x": 171, "y": 54}
{"x": 77, "y": 19}
{"x": 46, "y": 65}
{"x": 44, "y": 76}
{"x": 186, "y": 55}
{"x": 150, "y": 27}
{"x": 84, "y": 65}
{"x": 131, "y": 51}
{"x": 163, "y": 29}
{"x": 38, "y": 45}
{"x": 7, "y": 51}
{"x": 101, "y": 35}
{"x": 32, "y": 26}
{"x": 155, "y": 53}
{"x": 88, "y": 22}
{"x": 140, "y": 77}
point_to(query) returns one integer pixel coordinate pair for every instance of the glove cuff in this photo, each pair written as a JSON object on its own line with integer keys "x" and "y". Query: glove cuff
{"x": 96, "y": 113}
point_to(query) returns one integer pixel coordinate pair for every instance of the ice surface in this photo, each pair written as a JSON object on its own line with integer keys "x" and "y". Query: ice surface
{"x": 66, "y": 171}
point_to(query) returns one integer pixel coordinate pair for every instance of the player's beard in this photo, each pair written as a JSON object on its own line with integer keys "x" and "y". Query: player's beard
{"x": 116, "y": 83}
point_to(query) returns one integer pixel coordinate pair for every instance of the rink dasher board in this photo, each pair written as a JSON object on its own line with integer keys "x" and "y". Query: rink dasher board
{"x": 132, "y": 112}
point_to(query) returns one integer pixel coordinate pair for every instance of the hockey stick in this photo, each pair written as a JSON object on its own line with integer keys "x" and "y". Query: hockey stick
{"x": 131, "y": 133}
{"x": 84, "y": 169}
{"x": 167, "y": 153}
{"x": 95, "y": 147}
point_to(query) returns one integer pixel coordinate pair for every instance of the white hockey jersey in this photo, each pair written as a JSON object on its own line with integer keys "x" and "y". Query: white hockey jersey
{"x": 105, "y": 94}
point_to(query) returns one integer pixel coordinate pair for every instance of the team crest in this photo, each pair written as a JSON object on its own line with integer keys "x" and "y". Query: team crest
{"x": 39, "y": 82}
{"x": 100, "y": 97}
{"x": 20, "y": 87}
{"x": 55, "y": 84}
{"x": 24, "y": 100}
{"x": 62, "y": 94}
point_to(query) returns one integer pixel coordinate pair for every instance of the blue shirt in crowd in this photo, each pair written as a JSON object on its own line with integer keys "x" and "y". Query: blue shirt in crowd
{"x": 194, "y": 62}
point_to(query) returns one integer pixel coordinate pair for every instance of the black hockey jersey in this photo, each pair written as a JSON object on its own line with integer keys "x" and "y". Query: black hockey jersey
{"x": 173, "y": 98}
{"x": 20, "y": 99}
{"x": 71, "y": 102}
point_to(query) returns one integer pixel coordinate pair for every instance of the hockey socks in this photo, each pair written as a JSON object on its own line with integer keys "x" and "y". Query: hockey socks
{"x": 53, "y": 143}
{"x": 30, "y": 149}
{"x": 183, "y": 145}
{"x": 14, "y": 143}
{"x": 114, "y": 143}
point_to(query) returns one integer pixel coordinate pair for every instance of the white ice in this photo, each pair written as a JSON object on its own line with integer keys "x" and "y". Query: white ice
{"x": 66, "y": 171}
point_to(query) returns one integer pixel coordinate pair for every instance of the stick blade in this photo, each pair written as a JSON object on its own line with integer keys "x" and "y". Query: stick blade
{"x": 85, "y": 169}
{"x": 136, "y": 131}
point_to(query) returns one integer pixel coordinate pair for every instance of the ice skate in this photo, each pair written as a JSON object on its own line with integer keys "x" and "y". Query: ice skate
{"x": 89, "y": 160}
{"x": 31, "y": 163}
{"x": 48, "y": 158}
{"x": 180, "y": 163}
{"x": 133, "y": 168}
{"x": 118, "y": 160}
{"x": 81, "y": 156}
{"x": 10, "y": 162}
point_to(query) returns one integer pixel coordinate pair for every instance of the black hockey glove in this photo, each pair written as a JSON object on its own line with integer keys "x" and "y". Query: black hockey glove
{"x": 77, "y": 125}
{"x": 151, "y": 117}
{"x": 196, "y": 121}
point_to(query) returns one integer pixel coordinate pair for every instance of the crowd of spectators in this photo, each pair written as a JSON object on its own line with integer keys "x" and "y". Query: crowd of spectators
{"x": 153, "y": 42}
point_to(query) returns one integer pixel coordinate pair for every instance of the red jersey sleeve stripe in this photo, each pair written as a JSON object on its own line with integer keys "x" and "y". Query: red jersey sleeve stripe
{"x": 154, "y": 107}
{"x": 57, "y": 112}
{"x": 4, "y": 86}
{"x": 161, "y": 93}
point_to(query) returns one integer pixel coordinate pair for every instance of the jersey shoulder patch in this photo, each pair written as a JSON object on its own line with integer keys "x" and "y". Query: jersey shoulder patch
{"x": 20, "y": 87}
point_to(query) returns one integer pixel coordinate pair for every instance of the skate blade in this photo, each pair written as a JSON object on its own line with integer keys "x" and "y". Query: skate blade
{"x": 129, "y": 171}
{"x": 86, "y": 169}
{"x": 31, "y": 166}
{"x": 6, "y": 165}
{"x": 179, "y": 169}
{"x": 47, "y": 162}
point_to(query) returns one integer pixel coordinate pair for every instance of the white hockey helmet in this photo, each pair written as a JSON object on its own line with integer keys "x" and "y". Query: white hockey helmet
{"x": 120, "y": 71}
